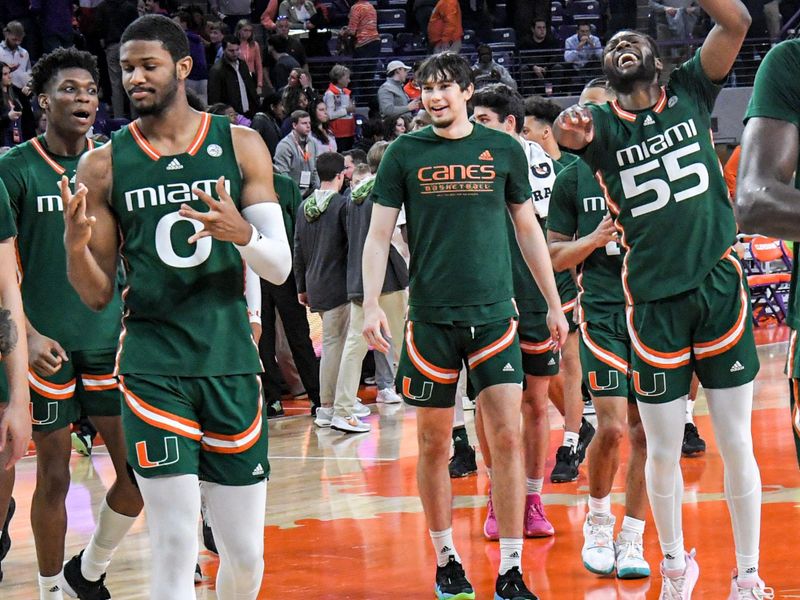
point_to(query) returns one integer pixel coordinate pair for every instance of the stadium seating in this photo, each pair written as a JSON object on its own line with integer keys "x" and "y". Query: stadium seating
{"x": 392, "y": 21}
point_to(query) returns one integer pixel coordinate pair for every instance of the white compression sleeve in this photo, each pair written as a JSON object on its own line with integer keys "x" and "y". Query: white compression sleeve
{"x": 267, "y": 252}
{"x": 252, "y": 294}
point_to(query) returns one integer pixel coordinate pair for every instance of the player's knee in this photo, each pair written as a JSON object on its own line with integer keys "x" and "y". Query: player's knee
{"x": 637, "y": 437}
{"x": 507, "y": 440}
{"x": 432, "y": 445}
{"x": 52, "y": 482}
{"x": 609, "y": 435}
{"x": 246, "y": 564}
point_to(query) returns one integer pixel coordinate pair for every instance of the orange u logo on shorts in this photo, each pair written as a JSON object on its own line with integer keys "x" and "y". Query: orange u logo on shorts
{"x": 613, "y": 381}
{"x": 427, "y": 390}
{"x": 659, "y": 387}
{"x": 171, "y": 453}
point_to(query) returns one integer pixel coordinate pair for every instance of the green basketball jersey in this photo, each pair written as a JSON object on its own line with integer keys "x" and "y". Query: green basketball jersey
{"x": 776, "y": 95}
{"x": 577, "y": 206}
{"x": 8, "y": 228}
{"x": 185, "y": 311}
{"x": 52, "y": 305}
{"x": 663, "y": 183}
{"x": 455, "y": 194}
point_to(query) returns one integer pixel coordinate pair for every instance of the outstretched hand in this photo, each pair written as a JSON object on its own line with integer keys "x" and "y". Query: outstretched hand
{"x": 222, "y": 221}
{"x": 77, "y": 226}
{"x": 574, "y": 127}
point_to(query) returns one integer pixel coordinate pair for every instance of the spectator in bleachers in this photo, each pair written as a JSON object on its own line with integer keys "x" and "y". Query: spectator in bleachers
{"x": 392, "y": 98}
{"x": 153, "y": 7}
{"x": 411, "y": 88}
{"x": 296, "y": 154}
{"x": 487, "y": 70}
{"x": 284, "y": 63}
{"x": 231, "y": 11}
{"x": 294, "y": 47}
{"x": 225, "y": 110}
{"x": 267, "y": 121}
{"x": 545, "y": 65}
{"x": 444, "y": 27}
{"x": 583, "y": 49}
{"x": 321, "y": 135}
{"x": 198, "y": 76}
{"x": 10, "y": 110}
{"x": 250, "y": 53}
{"x": 341, "y": 108}
{"x": 229, "y": 80}
{"x": 675, "y": 19}
{"x": 55, "y": 23}
{"x": 293, "y": 98}
{"x": 394, "y": 127}
{"x": 352, "y": 159}
{"x": 14, "y": 55}
{"x": 216, "y": 34}
{"x": 269, "y": 16}
{"x": 299, "y": 13}
{"x": 362, "y": 24}
{"x": 112, "y": 17}
{"x": 301, "y": 79}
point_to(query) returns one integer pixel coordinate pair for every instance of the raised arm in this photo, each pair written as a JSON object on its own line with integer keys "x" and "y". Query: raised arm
{"x": 90, "y": 230}
{"x": 766, "y": 200}
{"x": 574, "y": 128}
{"x": 373, "y": 267}
{"x": 725, "y": 39}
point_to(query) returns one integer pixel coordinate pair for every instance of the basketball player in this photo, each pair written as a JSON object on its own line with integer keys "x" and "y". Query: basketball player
{"x": 582, "y": 235}
{"x": 500, "y": 108}
{"x": 767, "y": 196}
{"x": 71, "y": 349}
{"x": 173, "y": 183}
{"x": 456, "y": 181}
{"x": 687, "y": 301}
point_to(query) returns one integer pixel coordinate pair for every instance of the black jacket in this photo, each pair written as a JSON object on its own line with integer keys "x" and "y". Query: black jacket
{"x": 223, "y": 86}
{"x": 270, "y": 131}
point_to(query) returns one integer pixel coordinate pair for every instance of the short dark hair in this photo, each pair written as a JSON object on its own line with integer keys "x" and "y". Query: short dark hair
{"x": 542, "y": 109}
{"x": 299, "y": 114}
{"x": 279, "y": 44}
{"x": 194, "y": 100}
{"x": 329, "y": 165}
{"x": 447, "y": 66}
{"x": 218, "y": 108}
{"x": 270, "y": 99}
{"x": 48, "y": 66}
{"x": 229, "y": 39}
{"x": 158, "y": 28}
{"x": 357, "y": 155}
{"x": 504, "y": 101}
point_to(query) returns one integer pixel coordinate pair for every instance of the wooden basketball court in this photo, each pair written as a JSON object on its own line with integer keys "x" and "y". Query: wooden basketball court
{"x": 344, "y": 520}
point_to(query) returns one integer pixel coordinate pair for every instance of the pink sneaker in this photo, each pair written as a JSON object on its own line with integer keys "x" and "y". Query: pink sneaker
{"x": 490, "y": 528}
{"x": 678, "y": 584}
{"x": 536, "y": 523}
{"x": 749, "y": 590}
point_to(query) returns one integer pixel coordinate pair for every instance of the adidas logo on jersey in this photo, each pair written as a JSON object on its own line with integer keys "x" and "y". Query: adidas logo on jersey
{"x": 508, "y": 368}
{"x": 737, "y": 366}
{"x": 648, "y": 120}
{"x": 174, "y": 165}
{"x": 259, "y": 470}
{"x": 551, "y": 362}
{"x": 486, "y": 155}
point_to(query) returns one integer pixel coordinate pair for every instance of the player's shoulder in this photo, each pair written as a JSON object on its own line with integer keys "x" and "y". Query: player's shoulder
{"x": 18, "y": 157}
{"x": 785, "y": 54}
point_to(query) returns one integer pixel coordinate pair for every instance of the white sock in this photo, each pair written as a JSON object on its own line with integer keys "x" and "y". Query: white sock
{"x": 534, "y": 485}
{"x": 443, "y": 546}
{"x": 570, "y": 439}
{"x": 50, "y": 588}
{"x": 236, "y": 515}
{"x": 690, "y": 411}
{"x": 172, "y": 507}
{"x": 632, "y": 529}
{"x": 674, "y": 555}
{"x": 510, "y": 554}
{"x": 600, "y": 507}
{"x": 731, "y": 410}
{"x": 110, "y": 531}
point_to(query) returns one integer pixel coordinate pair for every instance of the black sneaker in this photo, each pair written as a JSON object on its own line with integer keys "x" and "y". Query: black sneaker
{"x": 693, "y": 444}
{"x": 585, "y": 436}
{"x": 451, "y": 582}
{"x": 5, "y": 539}
{"x": 463, "y": 462}
{"x": 274, "y": 409}
{"x": 208, "y": 539}
{"x": 511, "y": 587}
{"x": 566, "y": 468}
{"x": 198, "y": 574}
{"x": 79, "y": 587}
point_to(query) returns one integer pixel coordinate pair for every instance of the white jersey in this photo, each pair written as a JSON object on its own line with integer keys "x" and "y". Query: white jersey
{"x": 541, "y": 175}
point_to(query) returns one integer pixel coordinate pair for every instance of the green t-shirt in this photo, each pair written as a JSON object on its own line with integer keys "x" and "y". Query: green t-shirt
{"x": 664, "y": 185}
{"x": 31, "y": 174}
{"x": 185, "y": 311}
{"x": 455, "y": 194}
{"x": 289, "y": 198}
{"x": 577, "y": 207}
{"x": 8, "y": 228}
{"x": 776, "y": 95}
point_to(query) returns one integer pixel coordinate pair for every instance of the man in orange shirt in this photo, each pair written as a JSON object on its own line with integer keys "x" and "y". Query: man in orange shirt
{"x": 444, "y": 28}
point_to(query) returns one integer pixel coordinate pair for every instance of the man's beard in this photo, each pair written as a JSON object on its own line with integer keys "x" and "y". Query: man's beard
{"x": 159, "y": 106}
{"x": 624, "y": 83}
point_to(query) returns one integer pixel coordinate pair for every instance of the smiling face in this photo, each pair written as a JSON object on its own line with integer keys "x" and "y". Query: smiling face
{"x": 630, "y": 58}
{"x": 489, "y": 118}
{"x": 149, "y": 75}
{"x": 445, "y": 102}
{"x": 70, "y": 102}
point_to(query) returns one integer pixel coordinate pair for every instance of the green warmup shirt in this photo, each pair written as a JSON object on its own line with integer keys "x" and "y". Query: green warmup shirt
{"x": 32, "y": 174}
{"x": 776, "y": 95}
{"x": 567, "y": 290}
{"x": 455, "y": 194}
{"x": 8, "y": 229}
{"x": 185, "y": 311}
{"x": 577, "y": 207}
{"x": 664, "y": 185}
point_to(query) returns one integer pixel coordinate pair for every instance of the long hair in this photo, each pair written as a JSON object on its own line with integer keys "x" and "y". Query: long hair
{"x": 318, "y": 129}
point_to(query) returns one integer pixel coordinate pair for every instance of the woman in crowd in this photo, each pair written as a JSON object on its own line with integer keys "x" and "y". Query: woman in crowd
{"x": 299, "y": 13}
{"x": 10, "y": 110}
{"x": 293, "y": 98}
{"x": 394, "y": 127}
{"x": 267, "y": 121}
{"x": 321, "y": 135}
{"x": 341, "y": 107}
{"x": 250, "y": 53}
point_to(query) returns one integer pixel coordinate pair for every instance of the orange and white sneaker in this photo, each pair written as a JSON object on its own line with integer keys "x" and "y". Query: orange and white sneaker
{"x": 678, "y": 584}
{"x": 749, "y": 590}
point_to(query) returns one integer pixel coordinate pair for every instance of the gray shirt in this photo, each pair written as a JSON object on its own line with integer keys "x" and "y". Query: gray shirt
{"x": 291, "y": 159}
{"x": 392, "y": 99}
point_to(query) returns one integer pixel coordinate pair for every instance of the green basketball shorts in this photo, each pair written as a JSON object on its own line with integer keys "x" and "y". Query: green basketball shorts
{"x": 605, "y": 352}
{"x": 707, "y": 330}
{"x": 568, "y": 293}
{"x": 433, "y": 354}
{"x": 538, "y": 357}
{"x": 213, "y": 427}
{"x": 793, "y": 371}
{"x": 85, "y": 383}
